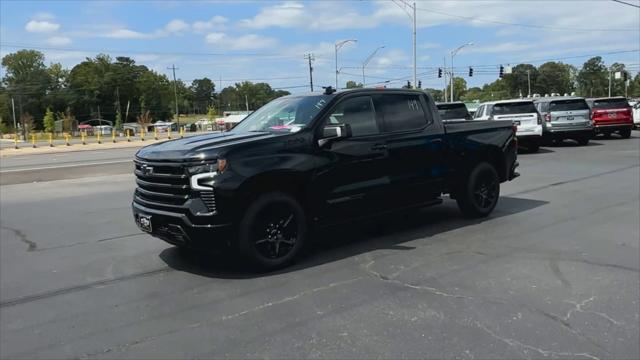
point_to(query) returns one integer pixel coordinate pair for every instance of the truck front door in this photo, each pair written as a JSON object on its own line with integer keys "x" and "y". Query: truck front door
{"x": 352, "y": 174}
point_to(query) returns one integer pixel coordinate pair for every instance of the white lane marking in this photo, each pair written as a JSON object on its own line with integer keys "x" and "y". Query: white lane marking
{"x": 66, "y": 166}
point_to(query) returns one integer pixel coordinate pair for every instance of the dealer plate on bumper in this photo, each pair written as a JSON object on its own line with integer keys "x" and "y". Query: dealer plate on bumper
{"x": 144, "y": 222}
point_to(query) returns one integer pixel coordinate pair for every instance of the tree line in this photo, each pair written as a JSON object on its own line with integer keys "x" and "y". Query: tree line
{"x": 591, "y": 80}
{"x": 117, "y": 89}
{"x": 122, "y": 91}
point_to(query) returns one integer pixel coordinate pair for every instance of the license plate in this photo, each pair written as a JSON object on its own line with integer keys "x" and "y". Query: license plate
{"x": 612, "y": 115}
{"x": 144, "y": 222}
{"x": 516, "y": 123}
{"x": 569, "y": 117}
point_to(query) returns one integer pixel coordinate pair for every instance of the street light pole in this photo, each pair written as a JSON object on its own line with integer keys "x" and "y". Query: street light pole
{"x": 367, "y": 60}
{"x": 529, "y": 82}
{"x": 413, "y": 18}
{"x": 337, "y": 47}
{"x": 453, "y": 53}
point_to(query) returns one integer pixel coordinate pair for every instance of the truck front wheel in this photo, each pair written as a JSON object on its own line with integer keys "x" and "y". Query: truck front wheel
{"x": 479, "y": 192}
{"x": 272, "y": 230}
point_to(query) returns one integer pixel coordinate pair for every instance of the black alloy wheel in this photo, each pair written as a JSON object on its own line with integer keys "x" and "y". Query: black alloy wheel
{"x": 275, "y": 233}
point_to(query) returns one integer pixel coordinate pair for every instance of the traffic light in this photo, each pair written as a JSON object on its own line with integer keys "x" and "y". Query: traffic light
{"x": 501, "y": 71}
{"x": 419, "y": 84}
{"x": 439, "y": 72}
{"x": 625, "y": 75}
{"x": 470, "y": 71}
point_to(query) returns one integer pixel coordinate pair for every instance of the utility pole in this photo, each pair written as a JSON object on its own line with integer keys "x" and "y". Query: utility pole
{"x": 444, "y": 58}
{"x": 175, "y": 92}
{"x": 13, "y": 107}
{"x": 415, "y": 55}
{"x": 118, "y": 99}
{"x": 529, "y": 82}
{"x": 246, "y": 102}
{"x": 310, "y": 58}
{"x": 609, "y": 82}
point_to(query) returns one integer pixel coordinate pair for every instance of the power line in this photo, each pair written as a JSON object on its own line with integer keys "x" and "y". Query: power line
{"x": 626, "y": 3}
{"x": 519, "y": 24}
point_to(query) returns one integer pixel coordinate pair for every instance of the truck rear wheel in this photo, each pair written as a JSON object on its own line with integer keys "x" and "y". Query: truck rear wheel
{"x": 583, "y": 141}
{"x": 272, "y": 230}
{"x": 626, "y": 133}
{"x": 479, "y": 193}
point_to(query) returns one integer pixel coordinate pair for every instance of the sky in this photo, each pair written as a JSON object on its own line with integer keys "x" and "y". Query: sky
{"x": 267, "y": 41}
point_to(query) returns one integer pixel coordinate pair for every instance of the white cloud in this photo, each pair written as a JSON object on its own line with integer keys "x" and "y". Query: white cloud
{"x": 324, "y": 16}
{"x": 43, "y": 26}
{"x": 429, "y": 45}
{"x": 176, "y": 25}
{"x": 244, "y": 42}
{"x": 215, "y": 23}
{"x": 58, "y": 41}
{"x": 128, "y": 34}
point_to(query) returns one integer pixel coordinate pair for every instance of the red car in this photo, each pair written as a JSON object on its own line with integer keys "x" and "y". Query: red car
{"x": 611, "y": 115}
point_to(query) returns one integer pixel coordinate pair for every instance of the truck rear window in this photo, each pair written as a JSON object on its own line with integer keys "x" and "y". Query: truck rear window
{"x": 453, "y": 111}
{"x": 615, "y": 103}
{"x": 525, "y": 107}
{"x": 568, "y": 105}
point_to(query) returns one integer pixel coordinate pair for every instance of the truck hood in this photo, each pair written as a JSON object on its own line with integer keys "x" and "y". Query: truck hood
{"x": 198, "y": 147}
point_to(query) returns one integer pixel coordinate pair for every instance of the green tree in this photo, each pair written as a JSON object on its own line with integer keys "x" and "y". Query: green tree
{"x": 634, "y": 86}
{"x": 459, "y": 88}
{"x": 118, "y": 121}
{"x": 211, "y": 113}
{"x": 27, "y": 81}
{"x": 49, "y": 121}
{"x": 203, "y": 92}
{"x": 517, "y": 82}
{"x": 353, "y": 85}
{"x": 555, "y": 77}
{"x": 593, "y": 78}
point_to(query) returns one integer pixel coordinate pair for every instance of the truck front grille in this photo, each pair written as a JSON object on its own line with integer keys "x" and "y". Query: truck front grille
{"x": 165, "y": 186}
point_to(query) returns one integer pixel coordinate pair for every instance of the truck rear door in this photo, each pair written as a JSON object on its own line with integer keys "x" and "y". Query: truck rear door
{"x": 414, "y": 140}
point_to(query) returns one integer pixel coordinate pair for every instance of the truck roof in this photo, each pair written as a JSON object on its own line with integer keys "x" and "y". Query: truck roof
{"x": 506, "y": 101}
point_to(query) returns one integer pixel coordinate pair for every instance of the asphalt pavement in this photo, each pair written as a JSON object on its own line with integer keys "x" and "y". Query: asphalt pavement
{"x": 553, "y": 273}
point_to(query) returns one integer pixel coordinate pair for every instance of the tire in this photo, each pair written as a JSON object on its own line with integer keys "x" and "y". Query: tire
{"x": 625, "y": 134}
{"x": 272, "y": 231}
{"x": 583, "y": 141}
{"x": 479, "y": 193}
{"x": 533, "y": 147}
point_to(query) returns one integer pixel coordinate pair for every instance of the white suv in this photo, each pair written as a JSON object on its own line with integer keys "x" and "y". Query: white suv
{"x": 524, "y": 115}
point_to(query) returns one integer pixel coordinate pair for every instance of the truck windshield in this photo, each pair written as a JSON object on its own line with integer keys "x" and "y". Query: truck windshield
{"x": 453, "y": 111}
{"x": 568, "y": 105}
{"x": 614, "y": 103}
{"x": 286, "y": 114}
{"x": 525, "y": 107}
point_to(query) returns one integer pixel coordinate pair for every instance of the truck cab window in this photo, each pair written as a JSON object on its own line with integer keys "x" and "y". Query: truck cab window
{"x": 359, "y": 113}
{"x": 401, "y": 112}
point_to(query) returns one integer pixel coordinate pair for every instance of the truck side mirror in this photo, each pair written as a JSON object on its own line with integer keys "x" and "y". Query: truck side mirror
{"x": 333, "y": 132}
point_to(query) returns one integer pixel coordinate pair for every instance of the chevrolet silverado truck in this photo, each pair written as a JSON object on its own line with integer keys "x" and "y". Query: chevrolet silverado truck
{"x": 307, "y": 161}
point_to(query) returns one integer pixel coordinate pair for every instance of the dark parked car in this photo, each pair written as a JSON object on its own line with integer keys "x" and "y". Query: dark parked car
{"x": 455, "y": 111}
{"x": 565, "y": 118}
{"x": 304, "y": 161}
{"x": 611, "y": 115}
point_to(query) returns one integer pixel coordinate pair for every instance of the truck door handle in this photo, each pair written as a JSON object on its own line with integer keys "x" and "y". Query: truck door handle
{"x": 379, "y": 147}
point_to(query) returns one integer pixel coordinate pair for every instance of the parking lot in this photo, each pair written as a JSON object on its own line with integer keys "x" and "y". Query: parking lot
{"x": 552, "y": 273}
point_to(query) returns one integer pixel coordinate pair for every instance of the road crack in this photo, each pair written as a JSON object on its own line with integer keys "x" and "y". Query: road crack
{"x": 524, "y": 347}
{"x": 31, "y": 245}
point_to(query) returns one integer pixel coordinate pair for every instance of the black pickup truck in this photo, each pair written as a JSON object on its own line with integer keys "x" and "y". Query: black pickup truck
{"x": 303, "y": 161}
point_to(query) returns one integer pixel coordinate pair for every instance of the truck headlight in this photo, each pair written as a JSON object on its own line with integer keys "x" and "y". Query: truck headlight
{"x": 204, "y": 181}
{"x": 203, "y": 168}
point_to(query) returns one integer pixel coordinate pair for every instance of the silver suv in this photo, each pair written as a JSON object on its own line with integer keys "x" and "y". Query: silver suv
{"x": 565, "y": 118}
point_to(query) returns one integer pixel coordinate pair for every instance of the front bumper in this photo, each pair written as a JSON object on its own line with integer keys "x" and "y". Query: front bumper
{"x": 177, "y": 229}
